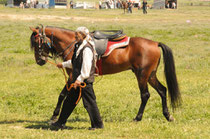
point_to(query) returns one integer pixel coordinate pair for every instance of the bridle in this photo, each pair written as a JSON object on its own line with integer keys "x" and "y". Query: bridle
{"x": 44, "y": 41}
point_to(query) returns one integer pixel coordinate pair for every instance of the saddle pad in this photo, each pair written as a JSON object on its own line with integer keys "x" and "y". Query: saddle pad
{"x": 115, "y": 44}
{"x": 98, "y": 69}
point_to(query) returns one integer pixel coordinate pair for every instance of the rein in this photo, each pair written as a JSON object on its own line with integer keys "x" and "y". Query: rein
{"x": 83, "y": 85}
{"x": 67, "y": 48}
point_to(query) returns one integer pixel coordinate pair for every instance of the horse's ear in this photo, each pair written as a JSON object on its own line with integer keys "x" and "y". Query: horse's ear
{"x": 34, "y": 30}
{"x": 80, "y": 36}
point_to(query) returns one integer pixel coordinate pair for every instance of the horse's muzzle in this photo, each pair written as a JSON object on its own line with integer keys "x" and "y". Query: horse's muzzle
{"x": 41, "y": 61}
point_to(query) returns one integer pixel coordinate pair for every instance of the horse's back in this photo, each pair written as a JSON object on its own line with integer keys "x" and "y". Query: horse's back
{"x": 140, "y": 53}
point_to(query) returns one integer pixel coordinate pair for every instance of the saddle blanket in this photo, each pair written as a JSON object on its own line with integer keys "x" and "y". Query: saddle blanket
{"x": 116, "y": 44}
{"x": 110, "y": 47}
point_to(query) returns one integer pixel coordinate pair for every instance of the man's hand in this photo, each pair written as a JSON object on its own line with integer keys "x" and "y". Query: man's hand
{"x": 76, "y": 84}
{"x": 59, "y": 65}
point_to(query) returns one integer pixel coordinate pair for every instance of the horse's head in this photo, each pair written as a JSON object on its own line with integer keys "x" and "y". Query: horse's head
{"x": 40, "y": 43}
{"x": 57, "y": 41}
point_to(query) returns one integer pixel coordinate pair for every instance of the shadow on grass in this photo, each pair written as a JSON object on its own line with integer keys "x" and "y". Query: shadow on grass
{"x": 47, "y": 126}
{"x": 44, "y": 125}
{"x": 20, "y": 121}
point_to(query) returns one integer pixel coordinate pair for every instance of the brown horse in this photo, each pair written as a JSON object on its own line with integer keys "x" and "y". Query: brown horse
{"x": 125, "y": 6}
{"x": 142, "y": 56}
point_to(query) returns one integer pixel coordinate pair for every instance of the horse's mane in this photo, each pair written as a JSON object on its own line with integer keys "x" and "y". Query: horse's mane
{"x": 32, "y": 40}
{"x": 60, "y": 29}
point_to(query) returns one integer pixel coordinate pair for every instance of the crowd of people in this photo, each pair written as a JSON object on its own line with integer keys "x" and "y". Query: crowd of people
{"x": 115, "y": 3}
{"x": 171, "y": 5}
{"x": 33, "y": 4}
{"x": 103, "y": 4}
{"x": 119, "y": 5}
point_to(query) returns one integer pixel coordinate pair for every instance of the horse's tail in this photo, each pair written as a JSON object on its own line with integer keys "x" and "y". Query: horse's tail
{"x": 170, "y": 74}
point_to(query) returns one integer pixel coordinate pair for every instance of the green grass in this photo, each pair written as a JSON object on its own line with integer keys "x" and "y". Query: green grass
{"x": 28, "y": 92}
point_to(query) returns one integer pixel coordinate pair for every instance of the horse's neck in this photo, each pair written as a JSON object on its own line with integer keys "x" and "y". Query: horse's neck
{"x": 61, "y": 39}
{"x": 61, "y": 35}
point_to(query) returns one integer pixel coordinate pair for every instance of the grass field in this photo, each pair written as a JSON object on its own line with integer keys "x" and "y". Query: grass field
{"x": 28, "y": 92}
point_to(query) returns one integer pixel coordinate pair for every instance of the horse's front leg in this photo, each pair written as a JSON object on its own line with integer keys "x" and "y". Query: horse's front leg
{"x": 61, "y": 98}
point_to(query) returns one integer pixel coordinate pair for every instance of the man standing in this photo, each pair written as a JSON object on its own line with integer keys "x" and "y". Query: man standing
{"x": 119, "y": 4}
{"x": 83, "y": 64}
{"x": 139, "y": 5}
{"x": 108, "y": 4}
{"x": 100, "y": 3}
{"x": 144, "y": 6}
{"x": 71, "y": 4}
{"x": 130, "y": 4}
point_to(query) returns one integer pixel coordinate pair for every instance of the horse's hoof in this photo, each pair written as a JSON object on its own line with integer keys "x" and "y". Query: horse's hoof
{"x": 53, "y": 119}
{"x": 136, "y": 119}
{"x": 171, "y": 118}
{"x": 52, "y": 122}
{"x": 57, "y": 126}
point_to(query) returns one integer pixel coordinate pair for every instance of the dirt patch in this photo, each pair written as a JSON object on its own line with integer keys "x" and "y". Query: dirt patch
{"x": 46, "y": 17}
{"x": 25, "y": 17}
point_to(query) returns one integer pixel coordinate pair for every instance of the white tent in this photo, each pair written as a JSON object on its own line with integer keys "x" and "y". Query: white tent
{"x": 159, "y": 4}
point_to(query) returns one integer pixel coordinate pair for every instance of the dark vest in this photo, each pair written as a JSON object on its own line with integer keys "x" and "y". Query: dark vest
{"x": 77, "y": 65}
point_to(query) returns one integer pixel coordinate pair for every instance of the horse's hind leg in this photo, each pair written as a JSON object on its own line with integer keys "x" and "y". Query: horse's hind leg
{"x": 162, "y": 92}
{"x": 142, "y": 77}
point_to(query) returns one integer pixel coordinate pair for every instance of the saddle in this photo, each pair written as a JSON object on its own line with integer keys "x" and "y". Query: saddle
{"x": 101, "y": 39}
{"x": 100, "y": 34}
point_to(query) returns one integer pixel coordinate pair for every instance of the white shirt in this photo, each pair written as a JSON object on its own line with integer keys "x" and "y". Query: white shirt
{"x": 86, "y": 64}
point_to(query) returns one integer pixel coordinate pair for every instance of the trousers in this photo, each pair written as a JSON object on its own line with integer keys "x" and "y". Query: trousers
{"x": 89, "y": 103}
{"x": 130, "y": 9}
{"x": 144, "y": 10}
